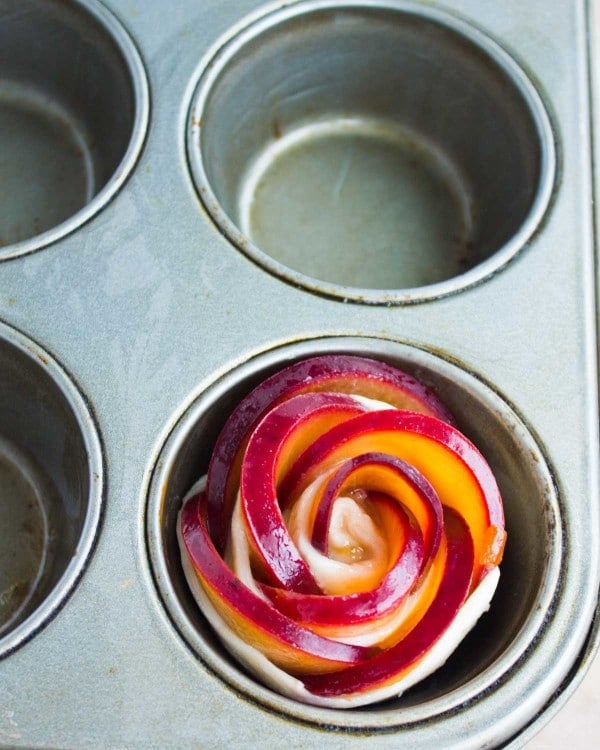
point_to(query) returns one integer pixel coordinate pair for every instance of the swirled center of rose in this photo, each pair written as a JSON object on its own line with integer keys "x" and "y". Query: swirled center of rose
{"x": 347, "y": 535}
{"x": 353, "y": 535}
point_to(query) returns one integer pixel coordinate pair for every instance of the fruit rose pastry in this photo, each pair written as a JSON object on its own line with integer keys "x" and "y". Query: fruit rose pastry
{"x": 346, "y": 537}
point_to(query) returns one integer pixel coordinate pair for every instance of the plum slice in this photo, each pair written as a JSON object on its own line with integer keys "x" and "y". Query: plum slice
{"x": 347, "y": 535}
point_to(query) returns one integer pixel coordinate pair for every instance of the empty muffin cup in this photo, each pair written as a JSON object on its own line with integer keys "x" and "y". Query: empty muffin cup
{"x": 381, "y": 151}
{"x": 529, "y": 571}
{"x": 73, "y": 115}
{"x": 51, "y": 479}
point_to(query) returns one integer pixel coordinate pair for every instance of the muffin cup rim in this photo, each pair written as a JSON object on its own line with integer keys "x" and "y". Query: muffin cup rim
{"x": 252, "y": 27}
{"x": 136, "y": 71}
{"x": 86, "y": 420}
{"x": 232, "y": 674}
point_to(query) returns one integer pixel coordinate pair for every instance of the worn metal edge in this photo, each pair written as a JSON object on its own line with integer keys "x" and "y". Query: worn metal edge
{"x": 591, "y": 648}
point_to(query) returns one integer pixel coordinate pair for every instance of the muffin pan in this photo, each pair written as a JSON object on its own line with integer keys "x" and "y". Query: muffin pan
{"x": 306, "y": 170}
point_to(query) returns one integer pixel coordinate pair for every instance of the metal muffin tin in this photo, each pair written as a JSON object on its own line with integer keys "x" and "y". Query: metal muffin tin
{"x": 131, "y": 331}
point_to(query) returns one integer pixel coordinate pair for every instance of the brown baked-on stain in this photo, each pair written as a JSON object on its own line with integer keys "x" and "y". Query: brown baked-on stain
{"x": 29, "y": 528}
{"x": 465, "y": 248}
{"x": 276, "y": 128}
{"x": 17, "y": 593}
{"x": 43, "y": 359}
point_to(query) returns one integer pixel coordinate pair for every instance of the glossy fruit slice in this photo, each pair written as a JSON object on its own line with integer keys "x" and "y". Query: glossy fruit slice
{"x": 347, "y": 535}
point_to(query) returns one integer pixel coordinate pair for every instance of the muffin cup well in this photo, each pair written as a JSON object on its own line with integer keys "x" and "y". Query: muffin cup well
{"x": 73, "y": 115}
{"x": 529, "y": 572}
{"x": 374, "y": 151}
{"x": 51, "y": 479}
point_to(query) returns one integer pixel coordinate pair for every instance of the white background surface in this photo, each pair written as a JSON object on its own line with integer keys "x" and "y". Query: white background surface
{"x": 577, "y": 725}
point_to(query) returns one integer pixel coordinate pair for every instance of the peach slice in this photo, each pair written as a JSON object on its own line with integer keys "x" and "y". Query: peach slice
{"x": 287, "y": 644}
{"x": 345, "y": 609}
{"x": 339, "y": 373}
{"x": 394, "y": 662}
{"x": 454, "y": 467}
{"x": 378, "y": 472}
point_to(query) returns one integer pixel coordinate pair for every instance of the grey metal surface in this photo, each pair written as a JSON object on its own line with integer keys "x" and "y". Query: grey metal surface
{"x": 148, "y": 304}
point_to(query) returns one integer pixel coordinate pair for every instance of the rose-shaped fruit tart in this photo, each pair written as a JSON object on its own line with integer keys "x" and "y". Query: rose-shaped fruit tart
{"x": 347, "y": 535}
